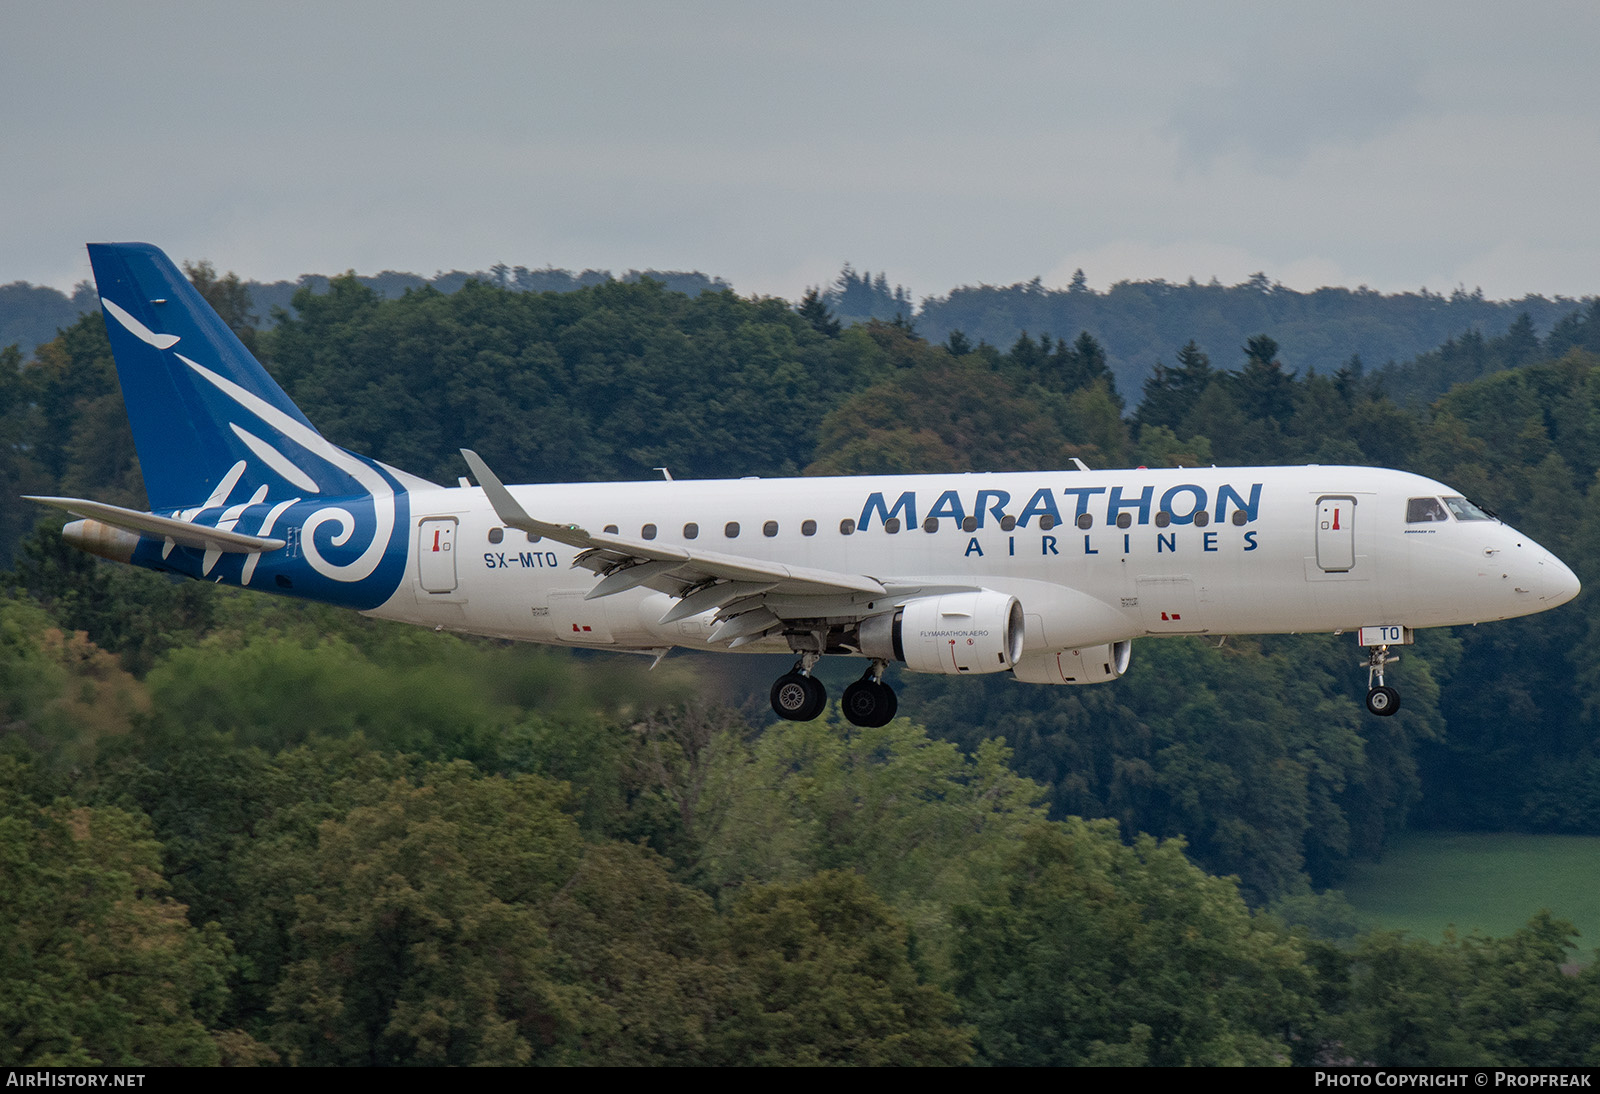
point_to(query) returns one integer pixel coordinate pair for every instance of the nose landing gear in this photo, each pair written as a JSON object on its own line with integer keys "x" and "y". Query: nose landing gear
{"x": 1381, "y": 700}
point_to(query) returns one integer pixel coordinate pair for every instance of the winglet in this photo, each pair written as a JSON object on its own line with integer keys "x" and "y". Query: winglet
{"x": 512, "y": 514}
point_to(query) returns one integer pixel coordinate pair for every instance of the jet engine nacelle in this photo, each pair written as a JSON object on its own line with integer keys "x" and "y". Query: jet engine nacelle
{"x": 1090, "y": 665}
{"x": 951, "y": 633}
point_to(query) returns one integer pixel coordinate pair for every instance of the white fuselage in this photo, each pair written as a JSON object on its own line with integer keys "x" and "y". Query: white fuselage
{"x": 1203, "y": 551}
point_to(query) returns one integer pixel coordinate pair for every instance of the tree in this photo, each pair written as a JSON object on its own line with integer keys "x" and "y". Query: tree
{"x": 814, "y": 310}
{"x": 1092, "y": 952}
{"x": 862, "y": 296}
{"x": 1470, "y": 1002}
{"x": 654, "y": 955}
{"x": 954, "y": 414}
{"x": 97, "y": 964}
{"x": 828, "y": 979}
{"x": 924, "y": 824}
{"x": 1170, "y": 392}
{"x": 1264, "y": 389}
{"x": 1519, "y": 345}
{"x": 423, "y": 938}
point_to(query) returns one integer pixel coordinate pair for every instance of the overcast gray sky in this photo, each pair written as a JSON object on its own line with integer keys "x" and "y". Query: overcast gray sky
{"x": 1389, "y": 144}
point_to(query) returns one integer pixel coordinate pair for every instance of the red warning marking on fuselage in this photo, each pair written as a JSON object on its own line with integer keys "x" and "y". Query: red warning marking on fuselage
{"x": 1174, "y": 617}
{"x": 577, "y": 629}
{"x": 1336, "y": 520}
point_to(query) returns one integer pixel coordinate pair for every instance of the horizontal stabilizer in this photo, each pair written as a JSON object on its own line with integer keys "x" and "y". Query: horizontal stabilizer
{"x": 149, "y": 524}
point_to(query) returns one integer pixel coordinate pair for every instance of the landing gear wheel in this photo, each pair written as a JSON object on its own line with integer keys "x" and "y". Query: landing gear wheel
{"x": 1383, "y": 701}
{"x": 869, "y": 703}
{"x": 798, "y": 698}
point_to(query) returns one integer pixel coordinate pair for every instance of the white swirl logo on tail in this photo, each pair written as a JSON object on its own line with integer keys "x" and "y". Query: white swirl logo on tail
{"x": 383, "y": 501}
{"x": 367, "y": 477}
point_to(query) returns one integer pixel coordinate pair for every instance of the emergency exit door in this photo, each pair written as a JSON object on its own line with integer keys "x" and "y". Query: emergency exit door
{"x": 1336, "y": 533}
{"x": 436, "y": 554}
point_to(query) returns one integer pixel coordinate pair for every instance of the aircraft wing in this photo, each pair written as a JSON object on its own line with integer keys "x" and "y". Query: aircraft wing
{"x": 158, "y": 527}
{"x": 752, "y": 595}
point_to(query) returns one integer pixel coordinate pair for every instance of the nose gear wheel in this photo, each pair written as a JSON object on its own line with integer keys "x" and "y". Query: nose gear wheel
{"x": 1381, "y": 700}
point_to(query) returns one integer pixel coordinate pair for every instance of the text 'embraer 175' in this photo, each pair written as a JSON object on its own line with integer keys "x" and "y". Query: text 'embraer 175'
{"x": 1045, "y": 575}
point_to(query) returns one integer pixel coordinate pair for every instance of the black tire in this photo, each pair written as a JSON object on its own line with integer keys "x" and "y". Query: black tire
{"x": 819, "y": 699}
{"x": 798, "y": 698}
{"x": 869, "y": 704}
{"x": 861, "y": 703}
{"x": 1383, "y": 701}
{"x": 858, "y": 704}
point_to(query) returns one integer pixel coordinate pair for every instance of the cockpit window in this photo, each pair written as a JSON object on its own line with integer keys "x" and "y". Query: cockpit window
{"x": 1465, "y": 510}
{"x": 1424, "y": 510}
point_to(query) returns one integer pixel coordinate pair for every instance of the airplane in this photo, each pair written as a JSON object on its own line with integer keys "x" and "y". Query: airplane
{"x": 1047, "y": 576}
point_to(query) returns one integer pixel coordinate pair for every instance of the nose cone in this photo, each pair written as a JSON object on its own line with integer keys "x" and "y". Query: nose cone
{"x": 1559, "y": 583}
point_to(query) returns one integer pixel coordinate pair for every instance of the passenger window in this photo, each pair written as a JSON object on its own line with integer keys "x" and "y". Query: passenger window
{"x": 1465, "y": 510}
{"x": 533, "y": 538}
{"x": 1047, "y": 522}
{"x": 1201, "y": 518}
{"x": 1124, "y": 520}
{"x": 1424, "y": 511}
{"x": 809, "y": 528}
{"x": 847, "y": 527}
{"x": 1239, "y": 517}
{"x": 691, "y": 531}
{"x": 892, "y": 525}
{"x": 931, "y": 524}
{"x": 731, "y": 529}
{"x": 969, "y": 524}
{"x": 496, "y": 535}
{"x": 1007, "y": 523}
{"x": 769, "y": 529}
{"x": 1163, "y": 519}
{"x": 1085, "y": 521}
{"x": 611, "y": 529}
{"x": 648, "y": 531}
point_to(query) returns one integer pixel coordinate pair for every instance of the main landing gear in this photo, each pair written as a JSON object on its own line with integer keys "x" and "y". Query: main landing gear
{"x": 1381, "y": 700}
{"x": 869, "y": 702}
{"x": 799, "y": 697}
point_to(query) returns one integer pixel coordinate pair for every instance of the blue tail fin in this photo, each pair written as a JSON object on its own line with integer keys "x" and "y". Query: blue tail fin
{"x": 172, "y": 350}
{"x": 223, "y": 449}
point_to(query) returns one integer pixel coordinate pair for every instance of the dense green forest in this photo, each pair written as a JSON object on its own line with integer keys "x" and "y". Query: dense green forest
{"x": 1138, "y": 323}
{"x": 247, "y": 830}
